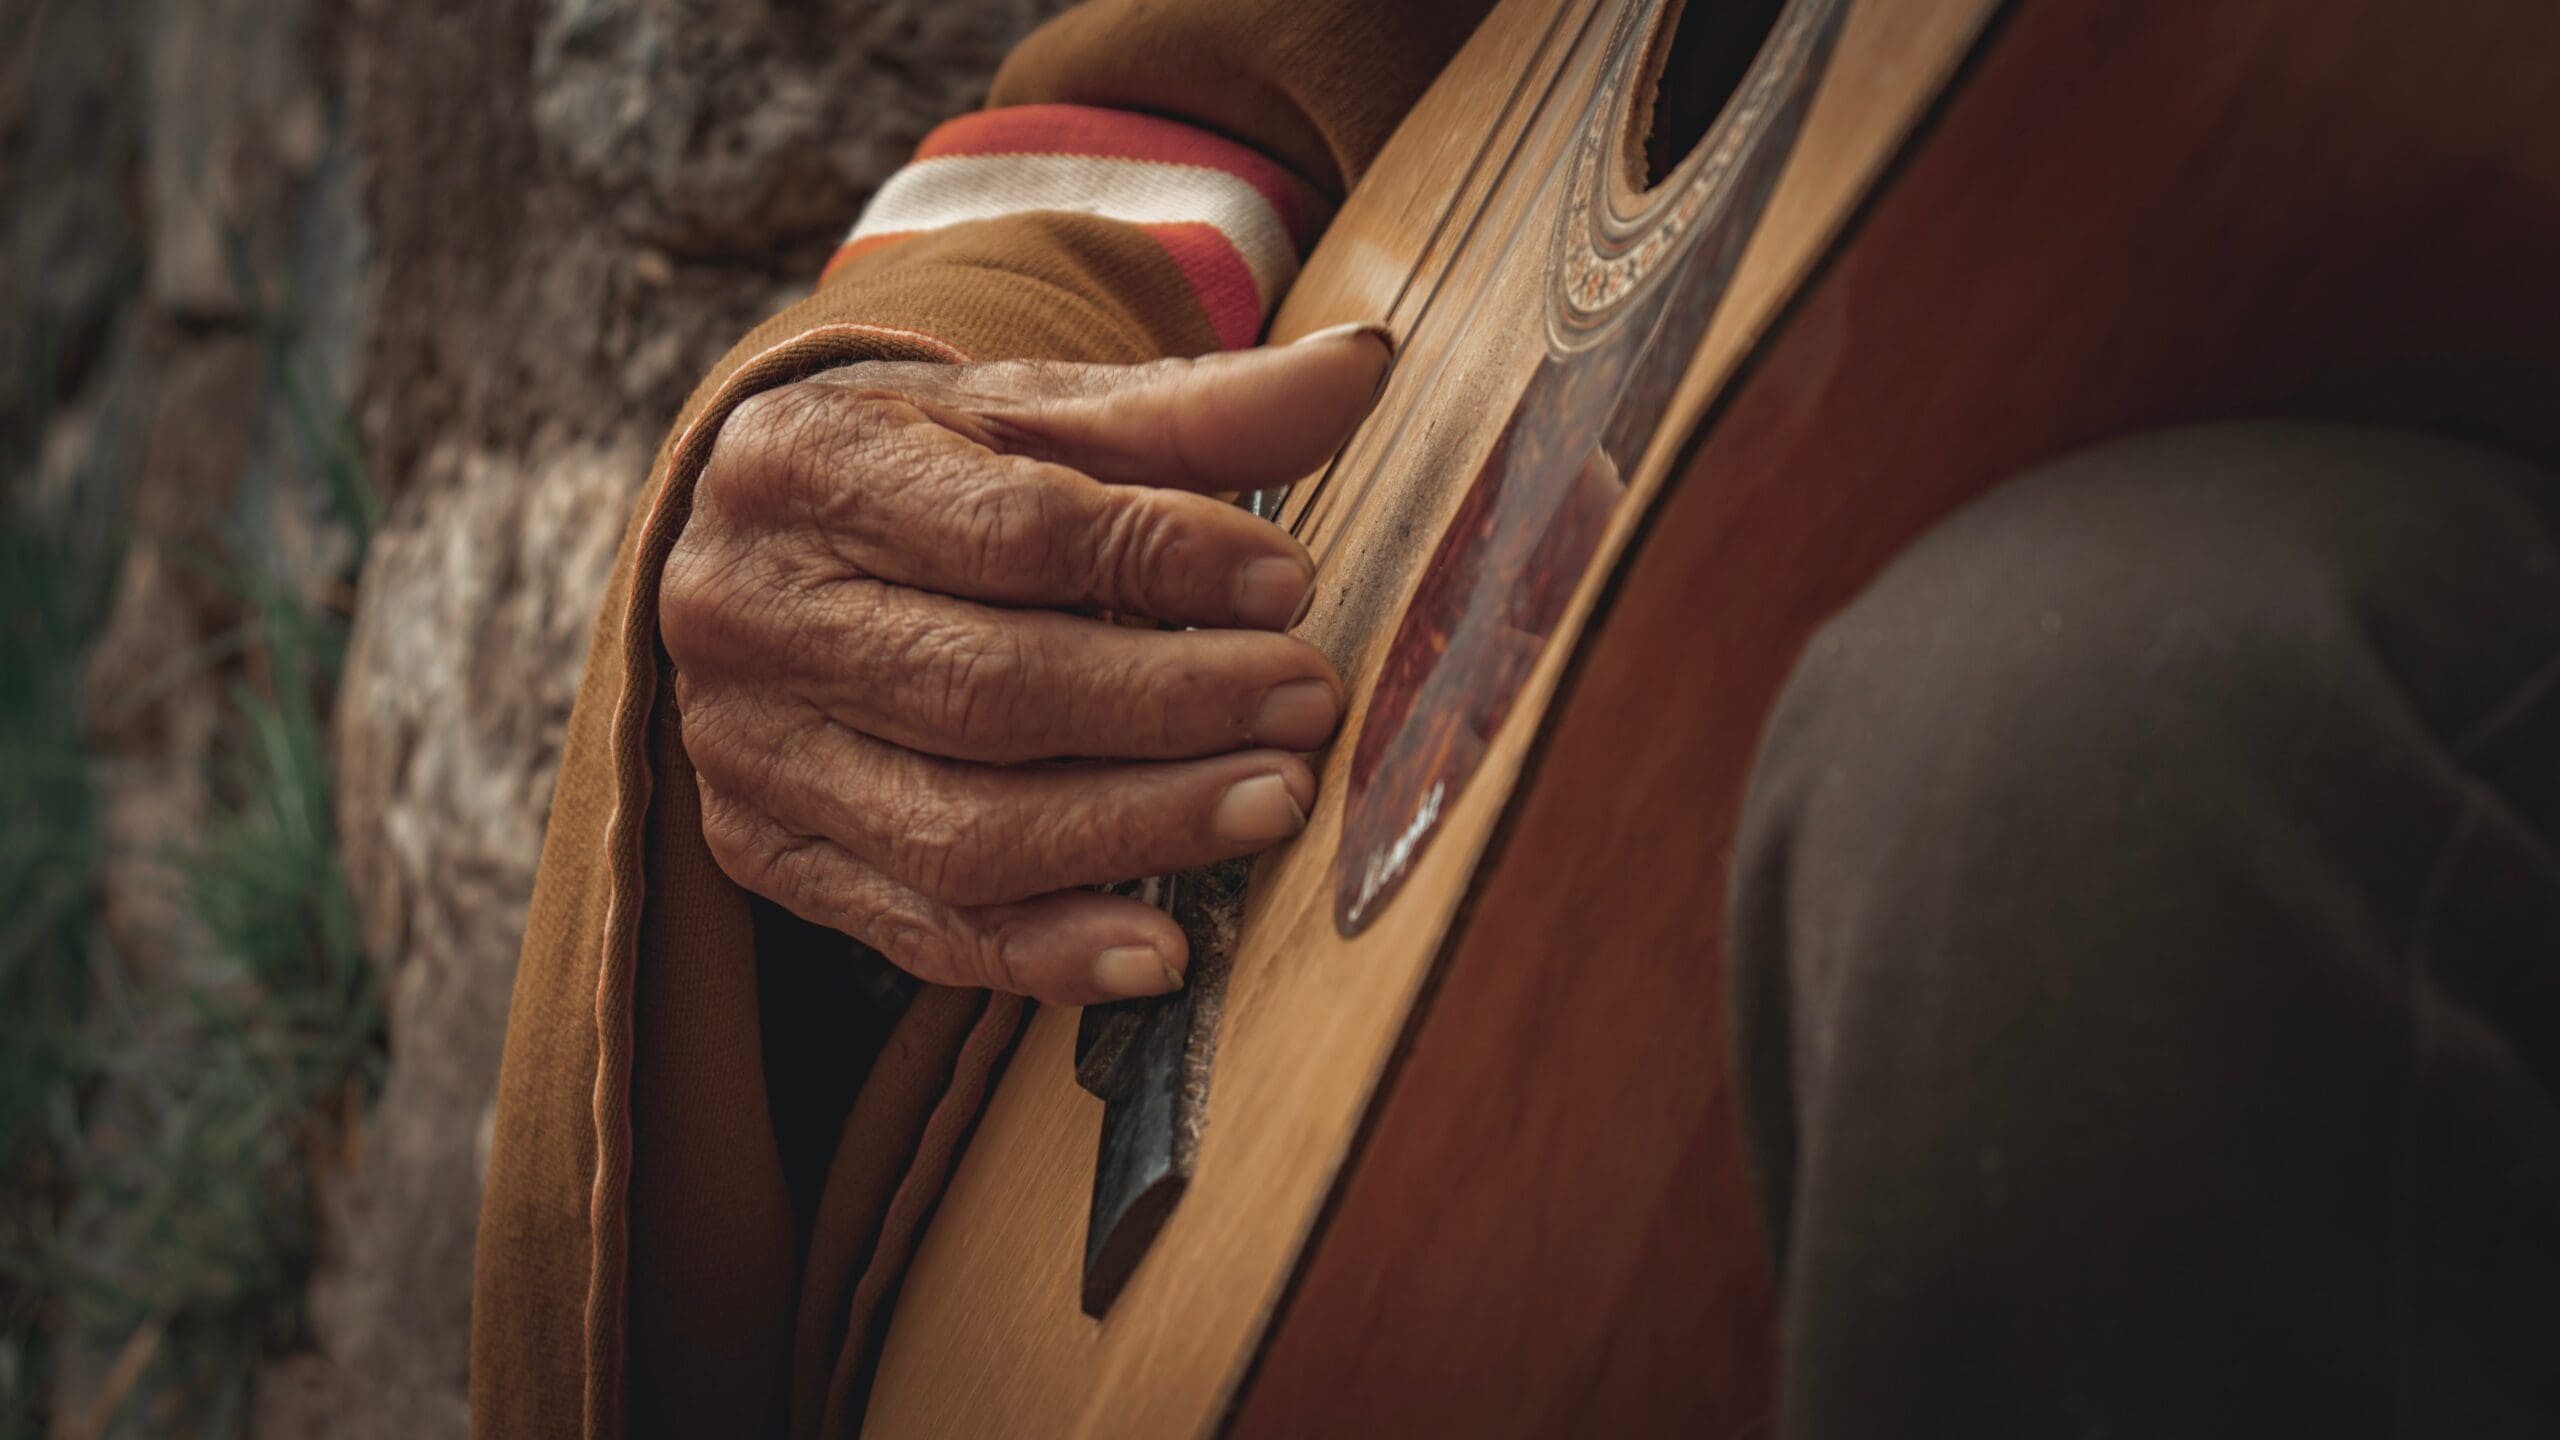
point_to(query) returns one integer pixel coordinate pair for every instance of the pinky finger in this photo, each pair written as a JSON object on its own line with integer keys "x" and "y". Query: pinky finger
{"x": 1074, "y": 947}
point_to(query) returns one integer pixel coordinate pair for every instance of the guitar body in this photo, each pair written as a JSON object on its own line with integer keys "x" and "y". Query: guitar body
{"x": 1470, "y": 1162}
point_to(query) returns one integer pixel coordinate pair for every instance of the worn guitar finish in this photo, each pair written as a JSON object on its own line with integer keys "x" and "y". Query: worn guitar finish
{"x": 1632, "y": 282}
{"x": 1452, "y": 240}
{"x": 1473, "y": 1169}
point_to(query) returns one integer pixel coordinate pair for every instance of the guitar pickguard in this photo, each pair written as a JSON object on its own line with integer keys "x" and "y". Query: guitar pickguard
{"x": 1633, "y": 282}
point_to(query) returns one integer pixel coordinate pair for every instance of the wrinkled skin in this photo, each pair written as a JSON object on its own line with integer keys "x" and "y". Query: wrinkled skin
{"x": 886, "y": 615}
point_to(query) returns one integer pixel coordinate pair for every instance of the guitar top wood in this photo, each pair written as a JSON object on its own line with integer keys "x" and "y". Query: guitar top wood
{"x": 988, "y": 1338}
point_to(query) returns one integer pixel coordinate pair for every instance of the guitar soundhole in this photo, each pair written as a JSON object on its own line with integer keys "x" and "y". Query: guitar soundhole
{"x": 1710, "y": 48}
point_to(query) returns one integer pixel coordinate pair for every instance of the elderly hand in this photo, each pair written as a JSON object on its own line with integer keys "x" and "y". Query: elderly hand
{"x": 884, "y": 618}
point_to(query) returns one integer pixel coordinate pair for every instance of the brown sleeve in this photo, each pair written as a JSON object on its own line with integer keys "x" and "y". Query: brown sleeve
{"x": 1315, "y": 84}
{"x": 640, "y": 1263}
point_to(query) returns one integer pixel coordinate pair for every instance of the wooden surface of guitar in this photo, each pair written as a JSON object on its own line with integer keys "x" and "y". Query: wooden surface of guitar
{"x": 1472, "y": 1169}
{"x": 1450, "y": 240}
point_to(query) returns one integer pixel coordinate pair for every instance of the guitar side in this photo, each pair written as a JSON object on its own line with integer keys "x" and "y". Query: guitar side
{"x": 2121, "y": 218}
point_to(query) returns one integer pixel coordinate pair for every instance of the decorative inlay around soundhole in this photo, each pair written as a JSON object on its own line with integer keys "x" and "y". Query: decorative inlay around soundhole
{"x": 1630, "y": 293}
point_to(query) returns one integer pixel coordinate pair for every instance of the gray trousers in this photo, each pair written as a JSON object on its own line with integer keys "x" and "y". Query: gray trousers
{"x": 2146, "y": 933}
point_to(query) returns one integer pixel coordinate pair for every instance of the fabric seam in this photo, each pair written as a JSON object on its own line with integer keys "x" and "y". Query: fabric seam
{"x": 632, "y": 708}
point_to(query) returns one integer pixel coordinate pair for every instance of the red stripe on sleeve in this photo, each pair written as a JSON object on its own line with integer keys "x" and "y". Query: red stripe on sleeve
{"x": 863, "y": 246}
{"x": 1123, "y": 135}
{"x": 1218, "y": 275}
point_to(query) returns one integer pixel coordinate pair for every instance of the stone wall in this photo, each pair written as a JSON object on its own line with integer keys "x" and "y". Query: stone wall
{"x": 507, "y": 236}
{"x": 579, "y": 205}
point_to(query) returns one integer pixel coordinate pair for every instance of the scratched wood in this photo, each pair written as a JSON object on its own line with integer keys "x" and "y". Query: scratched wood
{"x": 987, "y": 1338}
{"x": 1637, "y": 273}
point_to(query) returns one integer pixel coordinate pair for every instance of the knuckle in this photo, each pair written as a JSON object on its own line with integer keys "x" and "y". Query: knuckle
{"x": 876, "y": 446}
{"x": 944, "y": 948}
{"x": 942, "y": 842}
{"x": 938, "y": 856}
{"x": 720, "y": 741}
{"x": 907, "y": 935}
{"x": 754, "y": 422}
{"x": 799, "y": 453}
{"x": 1173, "y": 374}
{"x": 968, "y": 686}
{"x": 863, "y": 630}
{"x": 763, "y": 752}
{"x": 1016, "y": 527}
{"x": 1081, "y": 844}
{"x": 747, "y": 846}
{"x": 692, "y": 599}
{"x": 984, "y": 953}
{"x": 757, "y": 439}
{"x": 717, "y": 600}
{"x": 1177, "y": 710}
{"x": 1140, "y": 547}
{"x": 1142, "y": 698}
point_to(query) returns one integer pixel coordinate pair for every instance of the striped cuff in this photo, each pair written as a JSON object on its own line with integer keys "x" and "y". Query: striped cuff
{"x": 1229, "y": 218}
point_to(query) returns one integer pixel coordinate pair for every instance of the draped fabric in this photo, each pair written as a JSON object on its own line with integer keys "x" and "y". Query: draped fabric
{"x": 719, "y": 1129}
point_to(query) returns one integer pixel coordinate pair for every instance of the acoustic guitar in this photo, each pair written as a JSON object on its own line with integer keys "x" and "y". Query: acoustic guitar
{"x": 1702, "y": 312}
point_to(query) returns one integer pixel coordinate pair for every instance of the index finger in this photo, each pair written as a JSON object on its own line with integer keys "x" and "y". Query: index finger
{"x": 1240, "y": 420}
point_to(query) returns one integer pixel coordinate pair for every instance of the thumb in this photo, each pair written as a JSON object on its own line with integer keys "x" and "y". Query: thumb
{"x": 1240, "y": 420}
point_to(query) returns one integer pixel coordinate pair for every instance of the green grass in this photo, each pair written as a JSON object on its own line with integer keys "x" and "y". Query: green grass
{"x": 58, "y": 556}
{"x": 158, "y": 1142}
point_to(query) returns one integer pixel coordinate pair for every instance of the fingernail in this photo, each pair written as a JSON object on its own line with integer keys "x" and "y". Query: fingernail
{"x": 1306, "y": 602}
{"x": 1135, "y": 969}
{"x": 1268, "y": 591}
{"x": 1130, "y": 970}
{"x": 1369, "y": 328}
{"x": 1257, "y": 811}
{"x": 1297, "y": 715}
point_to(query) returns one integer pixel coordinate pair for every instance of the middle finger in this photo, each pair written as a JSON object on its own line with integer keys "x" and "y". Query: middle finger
{"x": 965, "y": 681}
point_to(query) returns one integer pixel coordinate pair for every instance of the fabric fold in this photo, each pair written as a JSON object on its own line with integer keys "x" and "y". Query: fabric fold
{"x": 637, "y": 1191}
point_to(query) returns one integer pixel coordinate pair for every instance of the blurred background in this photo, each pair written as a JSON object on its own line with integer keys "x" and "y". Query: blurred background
{"x": 335, "y": 338}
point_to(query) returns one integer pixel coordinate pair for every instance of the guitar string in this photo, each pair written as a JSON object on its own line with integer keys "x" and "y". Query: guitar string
{"x": 1312, "y": 512}
{"x": 1162, "y": 891}
{"x": 1542, "y": 120}
{"x": 1336, "y": 519}
{"x": 1309, "y": 511}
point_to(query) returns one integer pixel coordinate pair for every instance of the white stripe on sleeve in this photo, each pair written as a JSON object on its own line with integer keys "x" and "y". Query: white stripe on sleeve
{"x": 950, "y": 189}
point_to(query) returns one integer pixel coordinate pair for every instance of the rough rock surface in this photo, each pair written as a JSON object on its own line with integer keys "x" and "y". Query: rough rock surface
{"x": 452, "y": 718}
{"x": 227, "y": 142}
{"x": 179, "y": 229}
{"x": 579, "y": 204}
{"x": 511, "y": 234}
